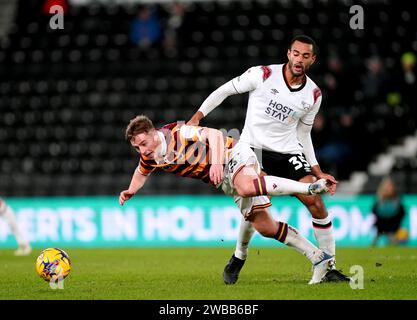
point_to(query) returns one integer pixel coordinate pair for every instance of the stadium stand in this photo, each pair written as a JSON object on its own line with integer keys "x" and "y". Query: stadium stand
{"x": 66, "y": 95}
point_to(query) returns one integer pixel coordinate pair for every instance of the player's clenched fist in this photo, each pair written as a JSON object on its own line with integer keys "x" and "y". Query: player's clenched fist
{"x": 124, "y": 196}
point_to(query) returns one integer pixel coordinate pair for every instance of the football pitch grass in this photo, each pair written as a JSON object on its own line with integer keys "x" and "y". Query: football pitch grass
{"x": 196, "y": 274}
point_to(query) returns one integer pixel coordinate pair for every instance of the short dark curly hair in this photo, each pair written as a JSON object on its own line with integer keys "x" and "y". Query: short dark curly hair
{"x": 305, "y": 39}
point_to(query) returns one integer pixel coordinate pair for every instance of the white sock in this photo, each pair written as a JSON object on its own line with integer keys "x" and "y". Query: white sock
{"x": 298, "y": 242}
{"x": 275, "y": 186}
{"x": 7, "y": 213}
{"x": 245, "y": 234}
{"x": 323, "y": 231}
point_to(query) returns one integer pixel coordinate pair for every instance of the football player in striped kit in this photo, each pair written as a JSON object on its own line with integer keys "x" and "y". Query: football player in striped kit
{"x": 206, "y": 154}
{"x": 283, "y": 102}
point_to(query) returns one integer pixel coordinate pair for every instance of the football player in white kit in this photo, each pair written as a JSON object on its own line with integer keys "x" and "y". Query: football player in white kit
{"x": 283, "y": 102}
{"x": 7, "y": 213}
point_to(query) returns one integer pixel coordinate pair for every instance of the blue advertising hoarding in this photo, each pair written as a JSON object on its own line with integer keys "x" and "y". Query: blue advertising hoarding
{"x": 164, "y": 221}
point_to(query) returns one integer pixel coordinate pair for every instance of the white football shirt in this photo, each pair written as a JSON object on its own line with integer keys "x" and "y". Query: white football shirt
{"x": 275, "y": 108}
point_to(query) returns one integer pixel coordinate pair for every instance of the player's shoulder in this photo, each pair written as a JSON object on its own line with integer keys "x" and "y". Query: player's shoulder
{"x": 314, "y": 88}
{"x": 172, "y": 127}
{"x": 171, "y": 130}
{"x": 265, "y": 71}
{"x": 169, "y": 126}
{"x": 311, "y": 84}
{"x": 179, "y": 128}
{"x": 270, "y": 67}
{"x": 278, "y": 66}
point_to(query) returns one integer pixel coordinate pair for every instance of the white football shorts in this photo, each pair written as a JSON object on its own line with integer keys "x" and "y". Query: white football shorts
{"x": 237, "y": 158}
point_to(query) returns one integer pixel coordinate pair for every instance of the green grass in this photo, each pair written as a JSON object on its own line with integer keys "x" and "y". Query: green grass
{"x": 196, "y": 273}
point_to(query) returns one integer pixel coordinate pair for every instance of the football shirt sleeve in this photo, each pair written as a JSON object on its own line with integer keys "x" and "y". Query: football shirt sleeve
{"x": 217, "y": 97}
{"x": 308, "y": 119}
{"x": 304, "y": 129}
{"x": 304, "y": 136}
{"x": 244, "y": 83}
{"x": 249, "y": 80}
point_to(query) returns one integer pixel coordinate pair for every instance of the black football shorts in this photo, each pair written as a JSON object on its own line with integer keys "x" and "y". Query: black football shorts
{"x": 290, "y": 166}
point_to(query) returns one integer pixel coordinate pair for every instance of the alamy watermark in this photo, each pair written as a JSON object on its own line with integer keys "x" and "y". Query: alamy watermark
{"x": 57, "y": 20}
{"x": 356, "y": 22}
{"x": 357, "y": 279}
{"x": 57, "y": 282}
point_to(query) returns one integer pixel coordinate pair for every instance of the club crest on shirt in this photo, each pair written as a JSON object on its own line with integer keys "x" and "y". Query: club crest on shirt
{"x": 306, "y": 105}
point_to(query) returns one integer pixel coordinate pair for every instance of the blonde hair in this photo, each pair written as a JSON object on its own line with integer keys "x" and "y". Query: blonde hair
{"x": 139, "y": 124}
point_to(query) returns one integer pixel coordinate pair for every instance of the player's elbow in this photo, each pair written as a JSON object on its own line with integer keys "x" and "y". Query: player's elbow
{"x": 302, "y": 134}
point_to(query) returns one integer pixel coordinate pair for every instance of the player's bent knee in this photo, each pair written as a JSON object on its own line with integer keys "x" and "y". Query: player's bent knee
{"x": 245, "y": 189}
{"x": 308, "y": 179}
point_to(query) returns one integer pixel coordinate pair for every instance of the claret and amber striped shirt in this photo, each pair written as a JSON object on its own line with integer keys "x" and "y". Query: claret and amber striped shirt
{"x": 187, "y": 155}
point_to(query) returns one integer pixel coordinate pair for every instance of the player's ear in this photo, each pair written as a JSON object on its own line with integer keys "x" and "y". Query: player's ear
{"x": 153, "y": 133}
{"x": 313, "y": 59}
{"x": 288, "y": 53}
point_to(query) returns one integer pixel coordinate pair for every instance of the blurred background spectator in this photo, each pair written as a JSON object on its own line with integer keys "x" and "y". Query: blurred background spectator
{"x": 50, "y": 3}
{"x": 335, "y": 147}
{"x": 389, "y": 212}
{"x": 340, "y": 83}
{"x": 374, "y": 81}
{"x": 407, "y": 82}
{"x": 175, "y": 26}
{"x": 146, "y": 29}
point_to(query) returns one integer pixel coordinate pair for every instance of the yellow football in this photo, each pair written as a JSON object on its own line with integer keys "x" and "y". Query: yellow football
{"x": 53, "y": 263}
{"x": 402, "y": 235}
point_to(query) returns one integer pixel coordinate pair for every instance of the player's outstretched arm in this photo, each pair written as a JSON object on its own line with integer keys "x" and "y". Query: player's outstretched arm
{"x": 212, "y": 102}
{"x": 137, "y": 182}
{"x": 246, "y": 82}
{"x": 216, "y": 144}
{"x": 195, "y": 119}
